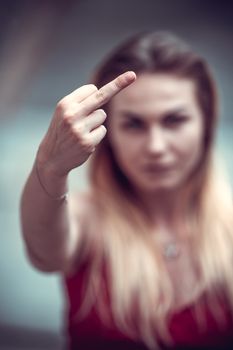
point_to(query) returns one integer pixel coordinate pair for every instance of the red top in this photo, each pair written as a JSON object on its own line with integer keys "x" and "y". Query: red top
{"x": 90, "y": 332}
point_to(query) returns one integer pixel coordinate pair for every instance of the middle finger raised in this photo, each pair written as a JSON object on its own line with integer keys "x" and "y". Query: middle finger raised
{"x": 104, "y": 94}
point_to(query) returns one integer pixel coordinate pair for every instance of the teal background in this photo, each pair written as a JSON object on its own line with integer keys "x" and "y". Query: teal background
{"x": 82, "y": 32}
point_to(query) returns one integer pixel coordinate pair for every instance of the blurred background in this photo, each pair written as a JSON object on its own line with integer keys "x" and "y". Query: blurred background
{"x": 47, "y": 49}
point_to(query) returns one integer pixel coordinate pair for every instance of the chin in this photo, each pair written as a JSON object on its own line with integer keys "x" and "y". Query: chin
{"x": 159, "y": 186}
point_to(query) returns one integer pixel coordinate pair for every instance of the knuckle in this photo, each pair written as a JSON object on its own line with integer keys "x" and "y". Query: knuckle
{"x": 100, "y": 134}
{"x": 104, "y": 131}
{"x": 77, "y": 110}
{"x": 61, "y": 105}
{"x": 87, "y": 145}
{"x": 102, "y": 112}
{"x": 67, "y": 119}
{"x": 119, "y": 81}
{"x": 101, "y": 115}
{"x": 101, "y": 96}
{"x": 92, "y": 87}
{"x": 88, "y": 89}
{"x": 78, "y": 131}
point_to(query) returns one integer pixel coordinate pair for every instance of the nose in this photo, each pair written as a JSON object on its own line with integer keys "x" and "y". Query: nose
{"x": 156, "y": 142}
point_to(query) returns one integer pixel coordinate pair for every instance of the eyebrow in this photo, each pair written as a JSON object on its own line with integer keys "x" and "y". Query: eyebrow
{"x": 135, "y": 115}
{"x": 132, "y": 115}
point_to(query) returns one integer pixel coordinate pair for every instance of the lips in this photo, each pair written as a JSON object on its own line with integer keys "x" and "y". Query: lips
{"x": 157, "y": 168}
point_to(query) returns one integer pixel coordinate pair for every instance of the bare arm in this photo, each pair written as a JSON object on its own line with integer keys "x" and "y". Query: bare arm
{"x": 49, "y": 231}
{"x": 45, "y": 223}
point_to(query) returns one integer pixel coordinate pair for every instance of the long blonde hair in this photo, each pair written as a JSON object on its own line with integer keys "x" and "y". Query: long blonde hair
{"x": 140, "y": 291}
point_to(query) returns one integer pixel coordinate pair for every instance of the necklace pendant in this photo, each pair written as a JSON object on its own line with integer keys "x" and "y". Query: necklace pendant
{"x": 171, "y": 251}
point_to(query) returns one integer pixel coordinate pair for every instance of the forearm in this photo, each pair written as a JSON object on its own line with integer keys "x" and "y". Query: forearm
{"x": 75, "y": 130}
{"x": 45, "y": 223}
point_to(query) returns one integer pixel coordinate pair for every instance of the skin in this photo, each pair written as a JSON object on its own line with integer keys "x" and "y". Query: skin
{"x": 49, "y": 229}
{"x": 52, "y": 237}
{"x": 155, "y": 128}
{"x": 75, "y": 130}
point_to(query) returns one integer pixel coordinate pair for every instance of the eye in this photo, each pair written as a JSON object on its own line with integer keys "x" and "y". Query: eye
{"x": 133, "y": 124}
{"x": 175, "y": 120}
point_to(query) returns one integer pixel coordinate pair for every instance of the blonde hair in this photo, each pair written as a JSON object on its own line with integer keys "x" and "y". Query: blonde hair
{"x": 140, "y": 291}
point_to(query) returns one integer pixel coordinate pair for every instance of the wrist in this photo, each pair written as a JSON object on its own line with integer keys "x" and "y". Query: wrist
{"x": 53, "y": 185}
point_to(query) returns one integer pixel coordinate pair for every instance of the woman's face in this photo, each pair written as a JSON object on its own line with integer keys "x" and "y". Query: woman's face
{"x": 155, "y": 128}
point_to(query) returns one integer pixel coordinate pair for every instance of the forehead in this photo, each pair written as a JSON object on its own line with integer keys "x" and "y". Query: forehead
{"x": 152, "y": 92}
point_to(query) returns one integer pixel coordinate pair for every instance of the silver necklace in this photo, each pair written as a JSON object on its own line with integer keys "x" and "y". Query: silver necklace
{"x": 171, "y": 251}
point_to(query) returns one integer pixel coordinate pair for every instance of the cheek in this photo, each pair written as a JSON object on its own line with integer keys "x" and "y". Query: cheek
{"x": 123, "y": 144}
{"x": 125, "y": 149}
{"x": 191, "y": 149}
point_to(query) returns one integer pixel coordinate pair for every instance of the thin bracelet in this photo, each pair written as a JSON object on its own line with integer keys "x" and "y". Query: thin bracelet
{"x": 59, "y": 198}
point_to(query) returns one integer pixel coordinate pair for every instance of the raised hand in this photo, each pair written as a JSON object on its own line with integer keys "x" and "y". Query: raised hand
{"x": 77, "y": 126}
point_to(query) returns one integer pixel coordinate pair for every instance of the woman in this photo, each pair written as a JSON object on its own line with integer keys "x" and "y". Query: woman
{"x": 146, "y": 254}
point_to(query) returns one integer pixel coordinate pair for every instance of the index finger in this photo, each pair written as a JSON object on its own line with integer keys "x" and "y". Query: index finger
{"x": 105, "y": 93}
